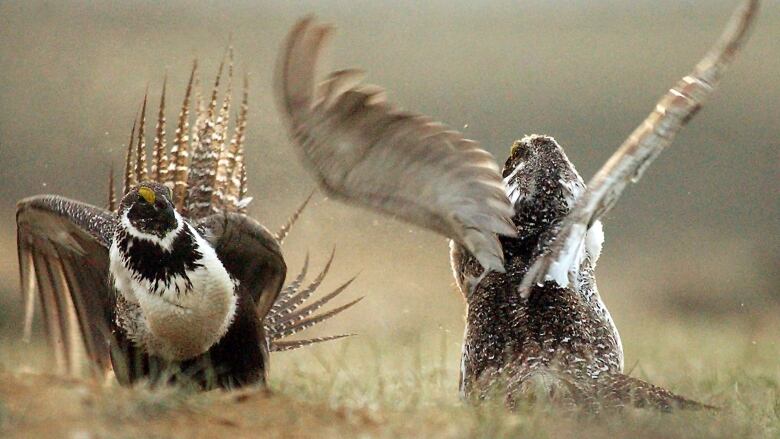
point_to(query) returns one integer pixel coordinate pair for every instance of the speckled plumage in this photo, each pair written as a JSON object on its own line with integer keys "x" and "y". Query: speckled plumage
{"x": 563, "y": 334}
{"x": 534, "y": 313}
{"x": 540, "y": 330}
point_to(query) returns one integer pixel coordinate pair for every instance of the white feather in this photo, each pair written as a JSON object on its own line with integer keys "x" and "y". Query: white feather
{"x": 164, "y": 242}
{"x": 181, "y": 322}
{"x": 594, "y": 240}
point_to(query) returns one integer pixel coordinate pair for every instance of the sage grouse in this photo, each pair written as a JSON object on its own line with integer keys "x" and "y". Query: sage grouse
{"x": 535, "y": 326}
{"x": 175, "y": 281}
{"x": 177, "y": 277}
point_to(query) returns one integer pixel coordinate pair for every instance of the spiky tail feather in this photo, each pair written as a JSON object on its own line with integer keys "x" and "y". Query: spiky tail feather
{"x": 222, "y": 174}
{"x": 205, "y": 155}
{"x": 236, "y": 150}
{"x": 626, "y": 391}
{"x": 205, "y": 167}
{"x": 141, "y": 170}
{"x": 608, "y": 392}
{"x": 130, "y": 180}
{"x": 159, "y": 154}
{"x": 178, "y": 168}
{"x": 289, "y": 316}
{"x": 285, "y": 230}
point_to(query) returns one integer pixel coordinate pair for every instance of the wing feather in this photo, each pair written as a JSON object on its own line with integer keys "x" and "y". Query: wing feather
{"x": 364, "y": 151}
{"x": 647, "y": 141}
{"x": 63, "y": 254}
{"x": 250, "y": 254}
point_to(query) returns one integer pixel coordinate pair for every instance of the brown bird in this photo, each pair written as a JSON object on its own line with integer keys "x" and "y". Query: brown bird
{"x": 536, "y": 327}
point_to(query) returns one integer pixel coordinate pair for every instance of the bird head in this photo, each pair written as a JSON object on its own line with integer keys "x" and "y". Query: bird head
{"x": 538, "y": 175}
{"x": 149, "y": 209}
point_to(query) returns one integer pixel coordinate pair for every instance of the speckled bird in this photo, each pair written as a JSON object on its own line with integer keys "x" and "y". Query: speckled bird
{"x": 536, "y": 327}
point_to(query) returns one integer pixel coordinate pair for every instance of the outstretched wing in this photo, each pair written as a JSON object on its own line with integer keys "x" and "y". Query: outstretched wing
{"x": 250, "y": 254}
{"x": 362, "y": 150}
{"x": 647, "y": 141}
{"x": 63, "y": 250}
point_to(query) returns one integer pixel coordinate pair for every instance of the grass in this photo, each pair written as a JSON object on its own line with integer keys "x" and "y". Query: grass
{"x": 406, "y": 386}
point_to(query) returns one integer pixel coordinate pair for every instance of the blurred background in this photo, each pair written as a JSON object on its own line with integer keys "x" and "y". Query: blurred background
{"x": 697, "y": 241}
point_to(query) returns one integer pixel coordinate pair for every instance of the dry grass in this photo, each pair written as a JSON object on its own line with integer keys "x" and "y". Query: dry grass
{"x": 697, "y": 236}
{"x": 382, "y": 387}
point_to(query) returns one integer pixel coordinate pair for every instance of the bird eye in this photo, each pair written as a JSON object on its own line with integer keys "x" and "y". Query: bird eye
{"x": 160, "y": 204}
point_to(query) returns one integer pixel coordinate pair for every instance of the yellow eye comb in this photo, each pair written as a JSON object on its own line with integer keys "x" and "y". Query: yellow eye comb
{"x": 147, "y": 194}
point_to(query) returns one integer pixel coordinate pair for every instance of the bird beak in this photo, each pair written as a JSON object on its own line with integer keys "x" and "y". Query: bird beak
{"x": 147, "y": 194}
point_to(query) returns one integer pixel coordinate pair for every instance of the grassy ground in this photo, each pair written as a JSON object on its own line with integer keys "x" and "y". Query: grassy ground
{"x": 380, "y": 387}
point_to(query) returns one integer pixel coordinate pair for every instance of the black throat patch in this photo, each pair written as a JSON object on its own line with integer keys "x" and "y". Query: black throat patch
{"x": 146, "y": 260}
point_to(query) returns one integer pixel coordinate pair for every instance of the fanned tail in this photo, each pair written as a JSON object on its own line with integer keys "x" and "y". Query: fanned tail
{"x": 292, "y": 297}
{"x": 206, "y": 172}
{"x": 289, "y": 315}
{"x": 287, "y": 292}
{"x": 205, "y": 167}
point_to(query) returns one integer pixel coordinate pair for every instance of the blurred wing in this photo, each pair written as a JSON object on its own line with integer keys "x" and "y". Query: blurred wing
{"x": 63, "y": 250}
{"x": 363, "y": 151}
{"x": 250, "y": 254}
{"x": 647, "y": 141}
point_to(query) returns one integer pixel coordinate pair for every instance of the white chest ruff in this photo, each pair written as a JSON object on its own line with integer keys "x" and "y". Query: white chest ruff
{"x": 184, "y": 317}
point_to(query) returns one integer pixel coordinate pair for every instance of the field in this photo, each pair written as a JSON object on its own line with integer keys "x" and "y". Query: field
{"x": 408, "y": 388}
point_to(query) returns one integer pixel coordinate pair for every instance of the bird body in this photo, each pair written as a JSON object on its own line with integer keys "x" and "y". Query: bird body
{"x": 523, "y": 259}
{"x": 176, "y": 282}
{"x": 541, "y": 330}
{"x": 181, "y": 297}
{"x": 562, "y": 329}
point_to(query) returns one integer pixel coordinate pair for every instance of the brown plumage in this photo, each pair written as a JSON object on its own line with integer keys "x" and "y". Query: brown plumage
{"x": 364, "y": 151}
{"x": 222, "y": 147}
{"x": 536, "y": 325}
{"x": 649, "y": 139}
{"x": 205, "y": 154}
{"x": 159, "y": 151}
{"x": 178, "y": 169}
{"x": 540, "y": 330}
{"x": 141, "y": 169}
